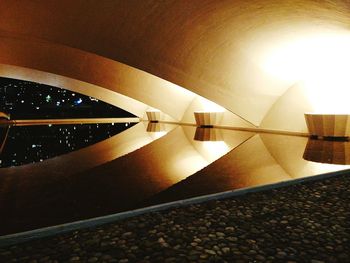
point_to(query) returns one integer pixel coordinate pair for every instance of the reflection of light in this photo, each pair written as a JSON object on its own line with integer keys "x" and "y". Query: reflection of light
{"x": 320, "y": 63}
{"x": 187, "y": 164}
{"x": 321, "y": 168}
{"x": 207, "y": 134}
{"x": 215, "y": 149}
{"x": 78, "y": 101}
{"x": 157, "y": 135}
{"x": 155, "y": 127}
{"x": 156, "y": 130}
{"x": 331, "y": 152}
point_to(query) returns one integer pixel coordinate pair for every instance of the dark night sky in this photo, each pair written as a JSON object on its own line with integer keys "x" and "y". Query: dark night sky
{"x": 29, "y": 100}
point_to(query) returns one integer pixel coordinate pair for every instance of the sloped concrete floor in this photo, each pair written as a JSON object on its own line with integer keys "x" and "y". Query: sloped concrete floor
{"x": 306, "y": 222}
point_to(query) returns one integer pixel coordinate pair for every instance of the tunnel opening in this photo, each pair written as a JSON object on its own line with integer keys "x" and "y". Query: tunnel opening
{"x": 30, "y": 100}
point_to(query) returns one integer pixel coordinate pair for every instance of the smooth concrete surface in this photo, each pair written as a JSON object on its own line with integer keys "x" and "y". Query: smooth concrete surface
{"x": 263, "y": 159}
{"x": 137, "y": 168}
{"x": 166, "y": 53}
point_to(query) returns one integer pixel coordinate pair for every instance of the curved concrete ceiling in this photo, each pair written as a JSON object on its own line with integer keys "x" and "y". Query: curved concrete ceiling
{"x": 131, "y": 105}
{"x": 126, "y": 87}
{"x": 216, "y": 49}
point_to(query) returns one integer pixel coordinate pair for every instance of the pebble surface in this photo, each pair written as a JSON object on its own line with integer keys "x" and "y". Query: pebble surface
{"x": 308, "y": 222}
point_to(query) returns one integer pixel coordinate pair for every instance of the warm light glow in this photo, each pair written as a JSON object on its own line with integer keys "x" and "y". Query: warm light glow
{"x": 322, "y": 168}
{"x": 209, "y": 106}
{"x": 151, "y": 109}
{"x": 187, "y": 164}
{"x": 318, "y": 62}
{"x": 214, "y": 149}
{"x": 156, "y": 130}
{"x": 157, "y": 135}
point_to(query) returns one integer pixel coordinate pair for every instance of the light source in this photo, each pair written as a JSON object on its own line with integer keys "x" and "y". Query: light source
{"x": 319, "y": 62}
{"x": 328, "y": 125}
{"x": 207, "y": 118}
{"x": 153, "y": 115}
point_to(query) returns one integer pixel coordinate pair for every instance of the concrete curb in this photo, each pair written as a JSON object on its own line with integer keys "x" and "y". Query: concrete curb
{"x": 12, "y": 239}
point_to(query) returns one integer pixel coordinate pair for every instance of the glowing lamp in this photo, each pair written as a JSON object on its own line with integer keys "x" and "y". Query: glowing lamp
{"x": 332, "y": 152}
{"x": 328, "y": 125}
{"x": 207, "y": 118}
{"x": 153, "y": 115}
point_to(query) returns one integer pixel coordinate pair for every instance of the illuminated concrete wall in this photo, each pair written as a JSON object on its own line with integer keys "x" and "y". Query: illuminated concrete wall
{"x": 267, "y": 61}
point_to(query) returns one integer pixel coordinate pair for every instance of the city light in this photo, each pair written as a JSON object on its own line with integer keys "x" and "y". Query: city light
{"x": 48, "y": 98}
{"x": 31, "y": 144}
{"x": 78, "y": 101}
{"x": 28, "y": 100}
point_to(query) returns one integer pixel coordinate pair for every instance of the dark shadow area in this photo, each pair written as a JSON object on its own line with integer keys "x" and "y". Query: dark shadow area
{"x": 30, "y": 144}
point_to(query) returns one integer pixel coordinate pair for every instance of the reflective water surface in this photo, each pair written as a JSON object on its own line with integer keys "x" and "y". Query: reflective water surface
{"x": 30, "y": 144}
{"x": 149, "y": 163}
{"x": 325, "y": 151}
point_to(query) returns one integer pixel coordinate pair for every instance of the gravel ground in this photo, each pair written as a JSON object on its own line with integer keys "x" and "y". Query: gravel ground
{"x": 308, "y": 222}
